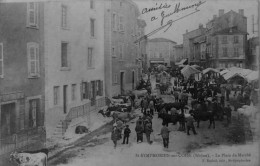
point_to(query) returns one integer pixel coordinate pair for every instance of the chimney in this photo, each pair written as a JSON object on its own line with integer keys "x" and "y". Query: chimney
{"x": 214, "y": 16}
{"x": 241, "y": 12}
{"x": 220, "y": 12}
{"x": 200, "y": 26}
{"x": 187, "y": 31}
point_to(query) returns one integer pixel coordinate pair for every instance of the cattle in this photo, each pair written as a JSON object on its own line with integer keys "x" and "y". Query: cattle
{"x": 177, "y": 105}
{"x": 167, "y": 118}
{"x": 44, "y": 150}
{"x": 203, "y": 116}
{"x": 118, "y": 108}
{"x": 29, "y": 159}
{"x": 123, "y": 116}
{"x": 81, "y": 129}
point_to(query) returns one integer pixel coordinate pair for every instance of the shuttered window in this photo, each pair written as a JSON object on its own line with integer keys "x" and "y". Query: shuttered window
{"x": 33, "y": 59}
{"x": 84, "y": 90}
{"x": 1, "y": 61}
{"x": 34, "y": 113}
{"x": 32, "y": 14}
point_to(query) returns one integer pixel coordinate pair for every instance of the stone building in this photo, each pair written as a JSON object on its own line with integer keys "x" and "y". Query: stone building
{"x": 74, "y": 59}
{"x": 252, "y": 61}
{"x": 226, "y": 36}
{"x": 122, "y": 53}
{"x": 22, "y": 76}
{"x": 188, "y": 43}
{"x": 160, "y": 51}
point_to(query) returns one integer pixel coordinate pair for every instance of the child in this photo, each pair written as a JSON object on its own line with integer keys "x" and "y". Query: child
{"x": 127, "y": 132}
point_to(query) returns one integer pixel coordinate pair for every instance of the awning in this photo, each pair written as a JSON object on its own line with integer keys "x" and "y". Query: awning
{"x": 188, "y": 70}
{"x": 210, "y": 69}
{"x": 181, "y": 62}
{"x": 231, "y": 74}
{"x": 254, "y": 75}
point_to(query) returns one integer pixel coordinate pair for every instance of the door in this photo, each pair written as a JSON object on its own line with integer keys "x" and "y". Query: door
{"x": 7, "y": 119}
{"x": 65, "y": 98}
{"x": 133, "y": 80}
{"x": 122, "y": 82}
{"x": 93, "y": 94}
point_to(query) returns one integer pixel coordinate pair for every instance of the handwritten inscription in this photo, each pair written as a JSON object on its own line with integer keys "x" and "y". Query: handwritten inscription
{"x": 177, "y": 8}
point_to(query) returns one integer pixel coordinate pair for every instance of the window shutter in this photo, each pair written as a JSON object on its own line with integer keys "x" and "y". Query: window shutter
{"x": 81, "y": 91}
{"x": 101, "y": 88}
{"x": 37, "y": 63}
{"x": 88, "y": 90}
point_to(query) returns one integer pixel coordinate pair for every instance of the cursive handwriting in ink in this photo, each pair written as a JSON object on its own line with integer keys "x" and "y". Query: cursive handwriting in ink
{"x": 177, "y": 9}
{"x": 147, "y": 10}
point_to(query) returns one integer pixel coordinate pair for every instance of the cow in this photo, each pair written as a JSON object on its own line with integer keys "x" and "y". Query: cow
{"x": 203, "y": 116}
{"x": 29, "y": 159}
{"x": 177, "y": 105}
{"x": 123, "y": 116}
{"x": 167, "y": 118}
{"x": 81, "y": 130}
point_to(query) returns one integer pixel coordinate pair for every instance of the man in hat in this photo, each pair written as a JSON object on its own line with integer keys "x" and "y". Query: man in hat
{"x": 127, "y": 132}
{"x": 190, "y": 125}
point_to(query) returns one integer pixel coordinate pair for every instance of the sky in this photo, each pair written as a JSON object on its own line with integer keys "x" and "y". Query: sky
{"x": 191, "y": 22}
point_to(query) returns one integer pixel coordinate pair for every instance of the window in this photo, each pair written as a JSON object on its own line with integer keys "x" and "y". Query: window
{"x": 33, "y": 59}
{"x": 99, "y": 88}
{"x": 113, "y": 52}
{"x": 90, "y": 57}
{"x": 84, "y": 90}
{"x": 115, "y": 79}
{"x": 121, "y": 51}
{"x": 64, "y": 54}
{"x": 114, "y": 22}
{"x": 64, "y": 16}
{"x": 92, "y": 4}
{"x": 73, "y": 92}
{"x": 241, "y": 64}
{"x": 32, "y": 14}
{"x": 225, "y": 52}
{"x": 224, "y": 40}
{"x": 235, "y": 39}
{"x": 34, "y": 112}
{"x": 56, "y": 92}
{"x": 92, "y": 27}
{"x": 121, "y": 23}
{"x": 1, "y": 61}
{"x": 236, "y": 52}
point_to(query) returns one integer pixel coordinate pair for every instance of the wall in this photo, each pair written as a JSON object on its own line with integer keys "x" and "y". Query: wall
{"x": 79, "y": 38}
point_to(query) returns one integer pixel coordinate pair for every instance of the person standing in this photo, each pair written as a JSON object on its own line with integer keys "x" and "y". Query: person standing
{"x": 127, "y": 132}
{"x": 115, "y": 136}
{"x": 190, "y": 125}
{"x": 139, "y": 132}
{"x": 148, "y": 131}
{"x": 228, "y": 113}
{"x": 151, "y": 107}
{"x": 176, "y": 95}
{"x": 165, "y": 135}
{"x": 145, "y": 105}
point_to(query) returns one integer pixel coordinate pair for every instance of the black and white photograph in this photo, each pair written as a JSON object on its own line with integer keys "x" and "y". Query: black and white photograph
{"x": 129, "y": 83}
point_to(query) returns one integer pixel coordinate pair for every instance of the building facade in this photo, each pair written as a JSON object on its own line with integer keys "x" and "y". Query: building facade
{"x": 252, "y": 61}
{"x": 122, "y": 53}
{"x": 160, "y": 51}
{"x": 22, "y": 97}
{"x": 74, "y": 59}
{"x": 178, "y": 52}
{"x": 226, "y": 36}
{"x": 198, "y": 57}
{"x": 188, "y": 43}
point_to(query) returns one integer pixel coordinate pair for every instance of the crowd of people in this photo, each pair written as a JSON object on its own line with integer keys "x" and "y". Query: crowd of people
{"x": 212, "y": 93}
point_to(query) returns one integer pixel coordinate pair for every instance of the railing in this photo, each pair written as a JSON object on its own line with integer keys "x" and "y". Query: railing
{"x": 83, "y": 110}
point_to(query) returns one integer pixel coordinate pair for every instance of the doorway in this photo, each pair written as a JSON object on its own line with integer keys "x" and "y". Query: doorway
{"x": 133, "y": 80}
{"x": 65, "y": 98}
{"x": 122, "y": 74}
{"x": 7, "y": 119}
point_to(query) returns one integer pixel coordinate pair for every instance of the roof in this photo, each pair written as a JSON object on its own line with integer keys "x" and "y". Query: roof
{"x": 230, "y": 31}
{"x": 161, "y": 40}
{"x": 210, "y": 69}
